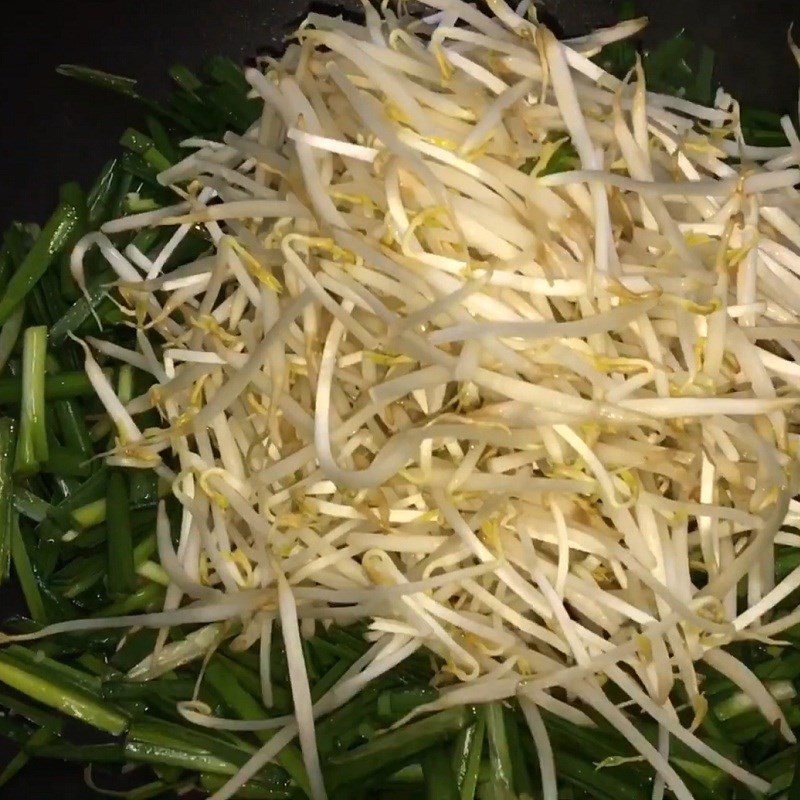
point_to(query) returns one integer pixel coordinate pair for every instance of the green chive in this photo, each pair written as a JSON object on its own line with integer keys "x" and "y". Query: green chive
{"x": 397, "y": 746}
{"x": 43, "y": 736}
{"x": 65, "y": 385}
{"x": 32, "y": 446}
{"x": 83, "y": 753}
{"x": 467, "y": 758}
{"x": 250, "y": 791}
{"x": 499, "y": 755}
{"x": 30, "y": 679}
{"x": 26, "y": 575}
{"x": 7, "y": 512}
{"x": 440, "y": 783}
{"x": 121, "y": 577}
{"x": 56, "y": 235}
{"x": 245, "y": 706}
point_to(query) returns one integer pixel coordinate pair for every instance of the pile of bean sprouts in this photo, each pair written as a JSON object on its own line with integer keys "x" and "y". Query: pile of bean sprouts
{"x": 541, "y": 424}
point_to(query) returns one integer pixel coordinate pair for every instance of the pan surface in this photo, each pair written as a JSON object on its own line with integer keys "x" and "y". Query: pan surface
{"x": 53, "y": 130}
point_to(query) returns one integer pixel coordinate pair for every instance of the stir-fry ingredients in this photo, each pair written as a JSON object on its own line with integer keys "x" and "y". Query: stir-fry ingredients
{"x": 484, "y": 348}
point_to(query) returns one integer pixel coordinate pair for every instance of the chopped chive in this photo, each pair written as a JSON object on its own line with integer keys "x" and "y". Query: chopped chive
{"x": 32, "y": 446}
{"x": 172, "y": 734}
{"x": 467, "y": 758}
{"x": 71, "y": 419}
{"x": 184, "y": 77}
{"x": 396, "y": 703}
{"x": 54, "y": 237}
{"x": 15, "y": 730}
{"x": 7, "y": 512}
{"x": 29, "y": 679}
{"x": 252, "y": 790}
{"x": 82, "y": 753}
{"x": 338, "y": 730}
{"x": 223, "y": 70}
{"x": 499, "y": 755}
{"x": 101, "y": 193}
{"x": 66, "y": 463}
{"x": 106, "y": 80}
{"x": 397, "y": 746}
{"x": 65, "y": 385}
{"x": 38, "y": 716}
{"x": 145, "y": 598}
{"x": 794, "y": 788}
{"x": 30, "y": 506}
{"x": 329, "y": 679}
{"x": 174, "y": 755}
{"x": 440, "y": 783}
{"x": 43, "y": 736}
{"x": 9, "y": 334}
{"x": 81, "y": 309}
{"x": 91, "y": 514}
{"x": 245, "y": 706}
{"x": 162, "y": 140}
{"x": 121, "y": 571}
{"x": 120, "y": 688}
{"x": 25, "y": 574}
{"x": 702, "y": 91}
{"x": 60, "y": 673}
{"x": 522, "y": 783}
{"x": 136, "y": 141}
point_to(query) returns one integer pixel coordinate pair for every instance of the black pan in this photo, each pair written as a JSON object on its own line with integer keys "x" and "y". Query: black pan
{"x": 53, "y": 130}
